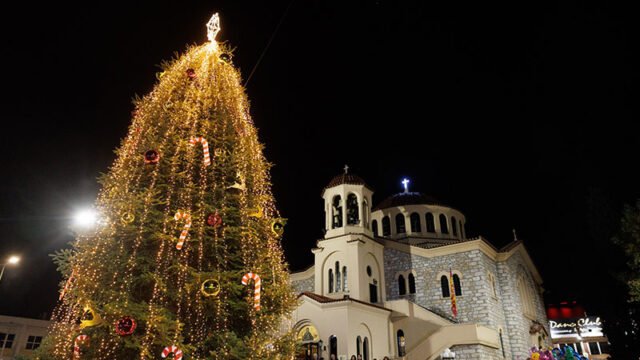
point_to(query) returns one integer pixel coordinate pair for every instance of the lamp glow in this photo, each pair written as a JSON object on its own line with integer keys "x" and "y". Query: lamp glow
{"x": 85, "y": 218}
{"x": 11, "y": 261}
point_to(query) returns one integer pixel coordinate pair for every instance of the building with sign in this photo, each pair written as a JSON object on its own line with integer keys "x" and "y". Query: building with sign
{"x": 570, "y": 326}
{"x": 403, "y": 280}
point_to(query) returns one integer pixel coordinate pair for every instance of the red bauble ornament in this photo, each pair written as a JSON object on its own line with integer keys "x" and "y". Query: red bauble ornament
{"x": 151, "y": 157}
{"x": 214, "y": 219}
{"x": 191, "y": 73}
{"x": 125, "y": 326}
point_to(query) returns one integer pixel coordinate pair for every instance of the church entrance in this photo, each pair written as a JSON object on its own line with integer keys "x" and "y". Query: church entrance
{"x": 308, "y": 344}
{"x": 309, "y": 351}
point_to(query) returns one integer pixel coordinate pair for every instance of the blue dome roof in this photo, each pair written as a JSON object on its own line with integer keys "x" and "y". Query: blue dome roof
{"x": 407, "y": 198}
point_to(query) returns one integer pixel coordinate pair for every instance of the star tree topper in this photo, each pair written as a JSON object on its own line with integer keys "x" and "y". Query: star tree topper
{"x": 213, "y": 27}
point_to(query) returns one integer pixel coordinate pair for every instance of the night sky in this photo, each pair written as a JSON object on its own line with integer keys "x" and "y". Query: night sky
{"x": 521, "y": 116}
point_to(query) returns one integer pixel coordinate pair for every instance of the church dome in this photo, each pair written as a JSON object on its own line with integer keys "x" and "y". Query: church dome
{"x": 342, "y": 179}
{"x": 407, "y": 198}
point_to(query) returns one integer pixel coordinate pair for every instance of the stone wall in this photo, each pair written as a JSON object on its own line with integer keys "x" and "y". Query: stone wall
{"x": 304, "y": 285}
{"x": 479, "y": 352}
{"x": 518, "y": 325}
{"x": 473, "y": 305}
{"x": 477, "y": 304}
{"x": 496, "y": 319}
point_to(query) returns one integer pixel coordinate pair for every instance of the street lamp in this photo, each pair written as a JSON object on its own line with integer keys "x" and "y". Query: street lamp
{"x": 448, "y": 354}
{"x": 11, "y": 261}
{"x": 85, "y": 219}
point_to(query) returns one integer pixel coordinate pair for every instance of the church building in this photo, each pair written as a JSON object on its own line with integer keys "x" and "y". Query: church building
{"x": 402, "y": 280}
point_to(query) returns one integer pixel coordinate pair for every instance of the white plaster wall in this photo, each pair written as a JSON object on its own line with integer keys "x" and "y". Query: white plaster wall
{"x": 344, "y": 190}
{"x": 22, "y": 328}
{"x": 375, "y": 325}
{"x": 356, "y": 253}
{"x": 347, "y": 320}
{"x": 422, "y": 210}
{"x": 371, "y": 256}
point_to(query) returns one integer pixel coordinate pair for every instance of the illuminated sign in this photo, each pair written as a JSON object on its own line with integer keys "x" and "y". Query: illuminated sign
{"x": 578, "y": 328}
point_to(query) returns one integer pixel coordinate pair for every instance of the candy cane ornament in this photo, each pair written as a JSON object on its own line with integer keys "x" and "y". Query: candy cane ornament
{"x": 205, "y": 148}
{"x": 257, "y": 284}
{"x": 177, "y": 353}
{"x": 181, "y": 215}
{"x": 76, "y": 345}
{"x": 67, "y": 284}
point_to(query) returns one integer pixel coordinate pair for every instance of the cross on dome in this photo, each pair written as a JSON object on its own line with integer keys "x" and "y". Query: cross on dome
{"x": 406, "y": 182}
{"x": 346, "y": 169}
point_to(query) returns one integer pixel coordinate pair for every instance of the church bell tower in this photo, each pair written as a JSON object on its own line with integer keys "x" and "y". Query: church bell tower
{"x": 347, "y": 206}
{"x": 348, "y": 261}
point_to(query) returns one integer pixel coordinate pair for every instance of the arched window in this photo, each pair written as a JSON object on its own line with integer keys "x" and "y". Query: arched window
{"x": 443, "y": 224}
{"x": 353, "y": 217}
{"x": 338, "y": 276}
{"x": 412, "y": 284}
{"x": 333, "y": 346}
{"x": 365, "y": 212}
{"x": 365, "y": 349}
{"x": 492, "y": 285}
{"x": 344, "y": 279}
{"x": 358, "y": 345}
{"x": 454, "y": 226}
{"x": 400, "y": 226}
{"x": 374, "y": 226}
{"x": 461, "y": 229}
{"x": 526, "y": 296}
{"x": 330, "y": 280}
{"x": 386, "y": 226}
{"x": 415, "y": 223}
{"x": 431, "y": 224}
{"x": 444, "y": 283}
{"x": 402, "y": 287}
{"x": 401, "y": 343}
{"x": 456, "y": 284}
{"x": 336, "y": 212}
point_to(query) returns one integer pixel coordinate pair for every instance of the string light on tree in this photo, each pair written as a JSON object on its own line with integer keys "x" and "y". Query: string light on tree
{"x": 164, "y": 192}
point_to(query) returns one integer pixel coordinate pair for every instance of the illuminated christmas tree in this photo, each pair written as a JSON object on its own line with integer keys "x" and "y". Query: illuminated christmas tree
{"x": 186, "y": 258}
